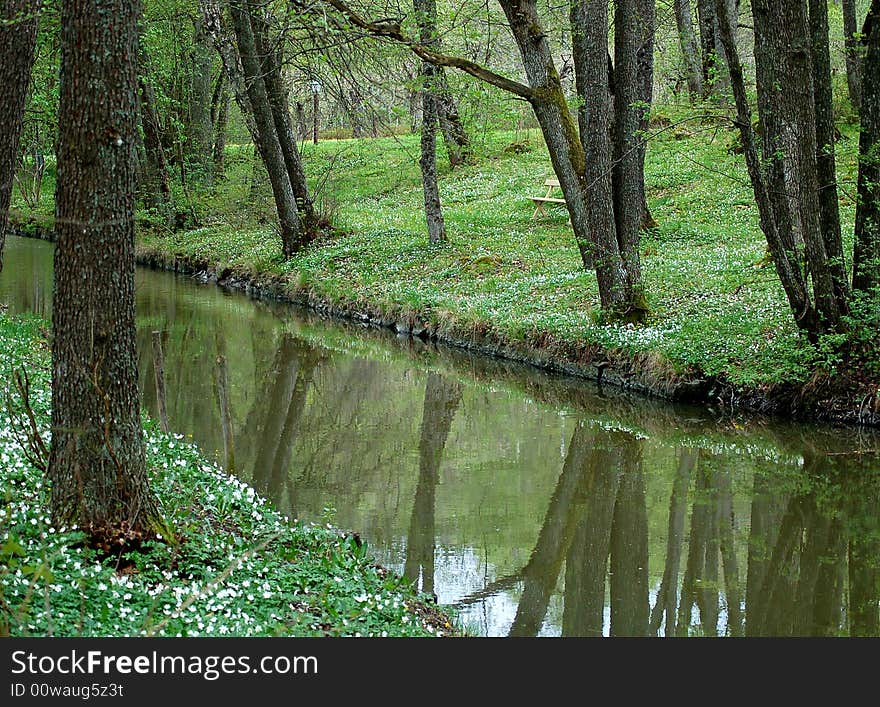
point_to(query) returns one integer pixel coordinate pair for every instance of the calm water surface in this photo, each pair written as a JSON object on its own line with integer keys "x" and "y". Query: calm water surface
{"x": 535, "y": 505}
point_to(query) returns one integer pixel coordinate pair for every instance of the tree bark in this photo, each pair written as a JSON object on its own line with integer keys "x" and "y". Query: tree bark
{"x": 220, "y": 119}
{"x": 853, "y": 54}
{"x": 829, "y": 212}
{"x": 589, "y": 21}
{"x": 97, "y": 466}
{"x": 708, "y": 49}
{"x": 688, "y": 42}
{"x": 426, "y": 17}
{"x": 279, "y": 104}
{"x": 157, "y": 191}
{"x": 458, "y": 145}
{"x": 633, "y": 77}
{"x": 199, "y": 128}
{"x": 786, "y": 184}
{"x": 293, "y": 235}
{"x": 18, "y": 39}
{"x": 866, "y": 251}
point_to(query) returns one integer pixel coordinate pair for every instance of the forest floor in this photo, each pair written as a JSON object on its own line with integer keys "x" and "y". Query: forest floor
{"x": 719, "y": 327}
{"x": 234, "y": 567}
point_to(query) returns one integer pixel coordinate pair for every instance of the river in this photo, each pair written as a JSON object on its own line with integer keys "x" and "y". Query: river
{"x": 532, "y": 504}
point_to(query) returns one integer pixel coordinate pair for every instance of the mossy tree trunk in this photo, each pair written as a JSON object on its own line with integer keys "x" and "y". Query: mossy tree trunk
{"x": 18, "y": 38}
{"x": 97, "y": 466}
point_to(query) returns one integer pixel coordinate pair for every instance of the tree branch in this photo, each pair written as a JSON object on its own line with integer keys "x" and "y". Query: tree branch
{"x": 390, "y": 29}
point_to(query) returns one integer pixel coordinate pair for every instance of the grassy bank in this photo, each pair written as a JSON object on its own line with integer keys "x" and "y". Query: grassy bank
{"x": 235, "y": 567}
{"x": 718, "y": 313}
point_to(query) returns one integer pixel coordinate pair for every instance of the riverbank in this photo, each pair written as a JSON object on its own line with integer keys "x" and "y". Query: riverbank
{"x": 507, "y": 285}
{"x": 236, "y": 567}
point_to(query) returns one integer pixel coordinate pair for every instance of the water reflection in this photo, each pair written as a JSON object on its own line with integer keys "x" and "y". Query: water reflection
{"x": 532, "y": 503}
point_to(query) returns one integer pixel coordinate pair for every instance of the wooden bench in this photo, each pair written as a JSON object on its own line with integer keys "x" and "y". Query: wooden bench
{"x": 548, "y": 198}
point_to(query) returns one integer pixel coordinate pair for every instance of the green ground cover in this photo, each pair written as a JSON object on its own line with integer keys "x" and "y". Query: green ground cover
{"x": 716, "y": 304}
{"x": 235, "y": 567}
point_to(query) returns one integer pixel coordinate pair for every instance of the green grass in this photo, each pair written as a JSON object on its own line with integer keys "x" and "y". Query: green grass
{"x": 237, "y": 567}
{"x": 716, "y": 305}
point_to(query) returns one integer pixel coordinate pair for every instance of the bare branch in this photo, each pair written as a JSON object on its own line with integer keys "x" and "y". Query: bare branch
{"x": 390, "y": 29}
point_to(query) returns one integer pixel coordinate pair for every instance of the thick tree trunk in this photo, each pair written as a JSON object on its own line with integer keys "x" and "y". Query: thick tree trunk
{"x": 853, "y": 54}
{"x": 866, "y": 251}
{"x": 787, "y": 188}
{"x": 293, "y": 235}
{"x": 792, "y": 141}
{"x": 688, "y": 42}
{"x": 18, "y": 38}
{"x": 199, "y": 129}
{"x": 97, "y": 466}
{"x": 589, "y": 21}
{"x": 281, "y": 117}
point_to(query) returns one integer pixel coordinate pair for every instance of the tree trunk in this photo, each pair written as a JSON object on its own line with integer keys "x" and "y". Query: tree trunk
{"x": 589, "y": 21}
{"x": 708, "y": 49}
{"x": 633, "y": 76}
{"x": 278, "y": 102}
{"x": 97, "y": 466}
{"x": 787, "y": 188}
{"x": 829, "y": 213}
{"x": 866, "y": 251}
{"x": 455, "y": 136}
{"x": 220, "y": 119}
{"x": 853, "y": 54}
{"x": 157, "y": 191}
{"x": 199, "y": 128}
{"x": 293, "y": 236}
{"x": 426, "y": 17}
{"x": 688, "y": 42}
{"x": 18, "y": 38}
{"x": 225, "y": 46}
{"x": 428, "y": 162}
